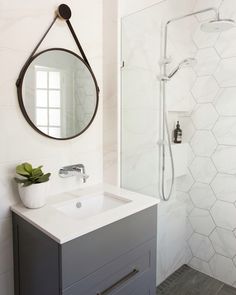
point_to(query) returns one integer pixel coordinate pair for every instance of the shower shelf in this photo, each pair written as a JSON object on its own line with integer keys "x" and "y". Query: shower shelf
{"x": 180, "y": 155}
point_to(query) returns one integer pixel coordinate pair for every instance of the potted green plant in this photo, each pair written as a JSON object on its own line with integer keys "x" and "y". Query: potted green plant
{"x": 32, "y": 185}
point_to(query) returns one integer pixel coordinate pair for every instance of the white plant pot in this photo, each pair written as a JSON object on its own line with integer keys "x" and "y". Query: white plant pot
{"x": 33, "y": 196}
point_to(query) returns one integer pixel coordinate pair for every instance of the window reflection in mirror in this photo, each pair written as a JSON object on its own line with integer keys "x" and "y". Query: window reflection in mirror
{"x": 48, "y": 101}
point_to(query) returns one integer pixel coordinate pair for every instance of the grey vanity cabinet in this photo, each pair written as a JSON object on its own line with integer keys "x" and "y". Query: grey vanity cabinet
{"x": 118, "y": 259}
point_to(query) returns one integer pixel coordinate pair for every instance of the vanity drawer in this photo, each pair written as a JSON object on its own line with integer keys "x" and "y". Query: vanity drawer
{"x": 127, "y": 275}
{"x": 85, "y": 255}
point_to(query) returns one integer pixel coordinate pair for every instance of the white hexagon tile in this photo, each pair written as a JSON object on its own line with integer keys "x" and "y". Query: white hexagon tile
{"x": 234, "y": 260}
{"x": 207, "y": 61}
{"x": 223, "y": 269}
{"x": 189, "y": 230}
{"x": 201, "y": 247}
{"x": 227, "y": 7}
{"x": 203, "y": 169}
{"x": 190, "y": 154}
{"x": 204, "y": 116}
{"x": 184, "y": 183}
{"x": 205, "y": 89}
{"x": 200, "y": 265}
{"x": 224, "y": 186}
{"x": 225, "y": 102}
{"x": 185, "y": 198}
{"x": 224, "y": 159}
{"x": 203, "y": 143}
{"x": 224, "y": 215}
{"x": 203, "y": 40}
{"x": 201, "y": 4}
{"x": 202, "y": 195}
{"x": 222, "y": 44}
{"x": 183, "y": 44}
{"x": 224, "y": 242}
{"x": 225, "y": 73}
{"x": 225, "y": 130}
{"x": 201, "y": 221}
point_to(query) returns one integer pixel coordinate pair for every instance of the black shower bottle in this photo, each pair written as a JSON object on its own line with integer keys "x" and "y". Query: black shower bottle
{"x": 177, "y": 134}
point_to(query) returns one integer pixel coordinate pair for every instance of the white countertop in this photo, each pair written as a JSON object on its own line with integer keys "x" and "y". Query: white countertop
{"x": 63, "y": 228}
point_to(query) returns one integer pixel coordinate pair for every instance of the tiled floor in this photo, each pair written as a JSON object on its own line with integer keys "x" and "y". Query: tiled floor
{"x": 187, "y": 281}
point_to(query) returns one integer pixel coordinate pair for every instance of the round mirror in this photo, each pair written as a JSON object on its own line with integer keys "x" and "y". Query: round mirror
{"x": 58, "y": 94}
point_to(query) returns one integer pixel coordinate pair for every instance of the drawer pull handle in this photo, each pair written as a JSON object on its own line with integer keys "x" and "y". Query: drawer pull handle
{"x": 120, "y": 282}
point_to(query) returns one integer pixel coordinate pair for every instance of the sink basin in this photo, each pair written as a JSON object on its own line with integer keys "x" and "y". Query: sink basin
{"x": 90, "y": 205}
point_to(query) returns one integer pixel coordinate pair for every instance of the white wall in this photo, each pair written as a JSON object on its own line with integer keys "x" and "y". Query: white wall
{"x": 110, "y": 85}
{"x": 22, "y": 25}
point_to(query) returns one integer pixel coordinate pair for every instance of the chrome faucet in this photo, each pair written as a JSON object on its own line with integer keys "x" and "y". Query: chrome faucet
{"x": 73, "y": 170}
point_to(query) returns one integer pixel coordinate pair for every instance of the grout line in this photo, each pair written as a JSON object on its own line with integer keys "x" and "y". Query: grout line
{"x": 220, "y": 289}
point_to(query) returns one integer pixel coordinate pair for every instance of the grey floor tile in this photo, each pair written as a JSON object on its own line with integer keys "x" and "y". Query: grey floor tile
{"x": 190, "y": 282}
{"x": 227, "y": 290}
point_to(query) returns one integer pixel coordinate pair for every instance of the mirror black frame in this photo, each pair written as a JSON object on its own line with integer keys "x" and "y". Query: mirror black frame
{"x": 64, "y": 13}
{"x": 20, "y": 96}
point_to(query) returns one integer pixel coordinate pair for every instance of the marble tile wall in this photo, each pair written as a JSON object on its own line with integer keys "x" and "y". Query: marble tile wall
{"x": 211, "y": 194}
{"x": 22, "y": 25}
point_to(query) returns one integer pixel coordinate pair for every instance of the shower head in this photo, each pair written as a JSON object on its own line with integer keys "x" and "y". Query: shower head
{"x": 218, "y": 25}
{"x": 188, "y": 62}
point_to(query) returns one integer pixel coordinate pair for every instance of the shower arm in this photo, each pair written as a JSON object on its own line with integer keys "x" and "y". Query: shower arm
{"x": 182, "y": 17}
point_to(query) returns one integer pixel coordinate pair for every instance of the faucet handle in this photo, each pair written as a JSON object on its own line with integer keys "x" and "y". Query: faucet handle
{"x": 73, "y": 170}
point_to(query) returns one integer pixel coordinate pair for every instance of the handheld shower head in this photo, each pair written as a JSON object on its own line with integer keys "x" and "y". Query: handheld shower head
{"x": 188, "y": 62}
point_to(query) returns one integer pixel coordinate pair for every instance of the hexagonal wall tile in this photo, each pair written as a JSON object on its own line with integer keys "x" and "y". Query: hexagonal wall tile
{"x": 205, "y": 89}
{"x": 203, "y": 40}
{"x": 200, "y": 265}
{"x": 201, "y": 4}
{"x": 225, "y": 130}
{"x": 234, "y": 260}
{"x": 182, "y": 44}
{"x": 189, "y": 230}
{"x": 179, "y": 91}
{"x": 201, "y": 221}
{"x": 202, "y": 195}
{"x": 185, "y": 198}
{"x": 226, "y": 44}
{"x": 224, "y": 215}
{"x": 224, "y": 186}
{"x": 227, "y": 7}
{"x": 223, "y": 269}
{"x": 224, "y": 159}
{"x": 207, "y": 61}
{"x": 190, "y": 154}
{"x": 203, "y": 169}
{"x": 225, "y": 103}
{"x": 224, "y": 242}
{"x": 203, "y": 143}
{"x": 201, "y": 247}
{"x": 204, "y": 116}
{"x": 184, "y": 183}
{"x": 225, "y": 73}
